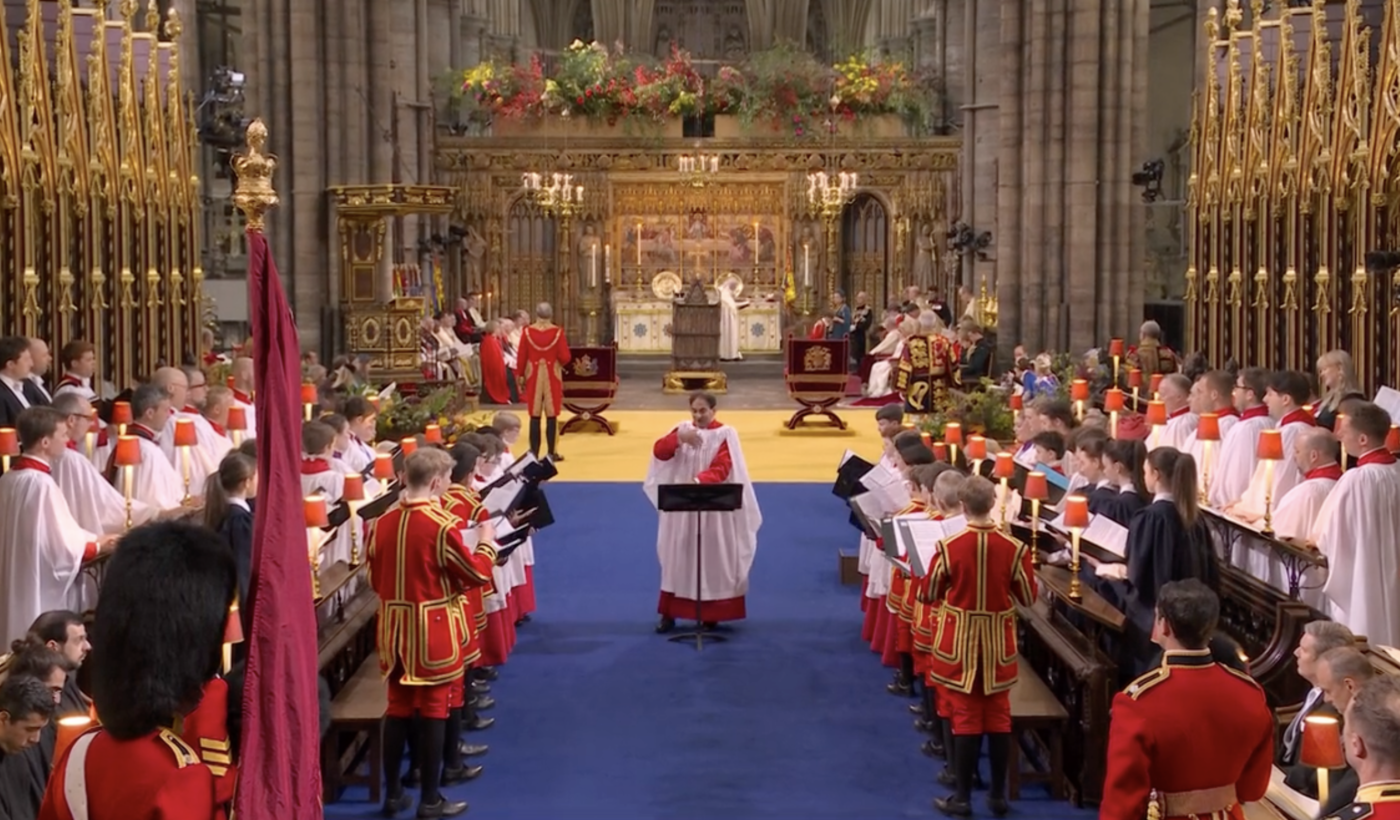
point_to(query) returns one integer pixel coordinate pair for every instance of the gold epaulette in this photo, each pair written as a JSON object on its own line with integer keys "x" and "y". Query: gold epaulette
{"x": 1241, "y": 675}
{"x": 185, "y": 755}
{"x": 1148, "y": 680}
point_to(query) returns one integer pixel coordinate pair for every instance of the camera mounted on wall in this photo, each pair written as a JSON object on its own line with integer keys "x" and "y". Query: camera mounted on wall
{"x": 219, "y": 118}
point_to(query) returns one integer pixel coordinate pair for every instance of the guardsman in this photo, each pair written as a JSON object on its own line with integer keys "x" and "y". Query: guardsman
{"x": 1191, "y": 738}
{"x": 419, "y": 568}
{"x": 157, "y": 638}
{"x": 979, "y": 577}
{"x": 1371, "y": 740}
{"x": 539, "y": 365}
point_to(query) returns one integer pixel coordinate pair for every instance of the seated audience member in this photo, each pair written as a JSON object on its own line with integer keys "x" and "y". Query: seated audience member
{"x": 1340, "y": 673}
{"x": 1319, "y": 638}
{"x": 26, "y": 706}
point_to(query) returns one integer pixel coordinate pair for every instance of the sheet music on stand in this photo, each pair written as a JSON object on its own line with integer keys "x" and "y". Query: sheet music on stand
{"x": 865, "y": 515}
{"x": 1103, "y": 532}
{"x": 503, "y": 498}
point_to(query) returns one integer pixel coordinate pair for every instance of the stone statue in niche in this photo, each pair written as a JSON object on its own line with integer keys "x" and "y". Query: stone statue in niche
{"x": 475, "y": 247}
{"x": 735, "y": 49}
{"x": 923, "y": 256}
{"x": 590, "y": 256}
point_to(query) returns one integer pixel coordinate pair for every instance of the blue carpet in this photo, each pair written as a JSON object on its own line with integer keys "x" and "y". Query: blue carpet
{"x": 599, "y": 717}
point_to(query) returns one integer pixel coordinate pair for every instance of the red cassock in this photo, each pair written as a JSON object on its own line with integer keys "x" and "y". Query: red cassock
{"x": 1374, "y": 800}
{"x": 419, "y": 568}
{"x": 539, "y": 365}
{"x": 157, "y": 777}
{"x": 1195, "y": 737}
{"x": 493, "y": 370}
{"x": 979, "y": 576}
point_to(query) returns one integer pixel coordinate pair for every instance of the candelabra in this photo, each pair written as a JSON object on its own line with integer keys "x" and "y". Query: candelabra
{"x": 556, "y": 192}
{"x": 697, "y": 170}
{"x": 827, "y": 193}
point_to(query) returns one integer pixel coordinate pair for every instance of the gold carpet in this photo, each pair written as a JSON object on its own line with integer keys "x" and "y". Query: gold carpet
{"x": 773, "y": 452}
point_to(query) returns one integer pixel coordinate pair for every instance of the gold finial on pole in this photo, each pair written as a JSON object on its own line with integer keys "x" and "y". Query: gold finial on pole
{"x": 254, "y": 195}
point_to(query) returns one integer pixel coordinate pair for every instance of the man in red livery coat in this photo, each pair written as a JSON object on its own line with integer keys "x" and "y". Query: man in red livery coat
{"x": 158, "y": 632}
{"x": 1191, "y": 737}
{"x": 1371, "y": 739}
{"x": 539, "y": 366}
{"x": 419, "y": 568}
{"x": 979, "y": 577}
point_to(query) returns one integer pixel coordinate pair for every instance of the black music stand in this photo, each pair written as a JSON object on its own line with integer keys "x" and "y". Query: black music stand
{"x": 699, "y": 499}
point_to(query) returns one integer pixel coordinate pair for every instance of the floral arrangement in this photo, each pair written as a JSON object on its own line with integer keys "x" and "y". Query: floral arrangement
{"x": 784, "y": 85}
{"x": 984, "y": 412}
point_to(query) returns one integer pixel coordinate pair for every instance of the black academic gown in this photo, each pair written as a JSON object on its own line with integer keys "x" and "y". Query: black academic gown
{"x": 1102, "y": 499}
{"x": 237, "y": 529}
{"x": 1160, "y": 550}
{"x": 1123, "y": 506}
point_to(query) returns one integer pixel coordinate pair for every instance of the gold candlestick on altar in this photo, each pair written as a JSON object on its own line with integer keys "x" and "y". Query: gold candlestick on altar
{"x": 1076, "y": 519}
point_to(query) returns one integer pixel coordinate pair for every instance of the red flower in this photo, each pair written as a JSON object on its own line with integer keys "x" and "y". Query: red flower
{"x": 580, "y": 100}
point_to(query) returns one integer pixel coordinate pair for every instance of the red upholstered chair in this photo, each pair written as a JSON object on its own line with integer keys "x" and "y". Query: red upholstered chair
{"x": 590, "y": 386}
{"x": 815, "y": 371}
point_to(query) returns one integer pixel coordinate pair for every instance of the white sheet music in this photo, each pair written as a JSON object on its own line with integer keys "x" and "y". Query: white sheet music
{"x": 845, "y": 457}
{"x": 1108, "y": 534}
{"x": 1388, "y": 398}
{"x": 1026, "y": 458}
{"x": 921, "y": 535}
{"x": 889, "y": 490}
{"x": 499, "y": 500}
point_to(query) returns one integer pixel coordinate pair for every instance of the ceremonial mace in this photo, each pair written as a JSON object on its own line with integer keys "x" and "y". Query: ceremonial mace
{"x": 1076, "y": 519}
{"x": 1270, "y": 450}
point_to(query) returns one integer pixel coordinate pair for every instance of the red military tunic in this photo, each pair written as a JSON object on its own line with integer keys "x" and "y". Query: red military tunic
{"x": 154, "y": 777}
{"x": 540, "y": 363}
{"x": 979, "y": 576}
{"x": 206, "y": 731}
{"x": 1192, "y": 735}
{"x": 419, "y": 568}
{"x": 1379, "y": 800}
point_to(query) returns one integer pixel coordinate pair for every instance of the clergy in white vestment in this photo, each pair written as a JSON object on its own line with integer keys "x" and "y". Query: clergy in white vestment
{"x": 730, "y": 328}
{"x": 891, "y": 347}
{"x": 1175, "y": 393}
{"x": 1234, "y": 467}
{"x": 1356, "y": 532}
{"x": 42, "y": 548}
{"x": 703, "y": 451}
{"x": 241, "y": 376}
{"x": 154, "y": 480}
{"x": 78, "y": 359}
{"x": 1212, "y": 393}
{"x": 96, "y": 505}
{"x": 1286, "y": 411}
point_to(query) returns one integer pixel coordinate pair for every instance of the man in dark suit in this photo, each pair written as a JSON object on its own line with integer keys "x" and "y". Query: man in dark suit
{"x": 1319, "y": 638}
{"x": 40, "y": 361}
{"x": 1340, "y": 673}
{"x": 976, "y": 362}
{"x": 16, "y": 391}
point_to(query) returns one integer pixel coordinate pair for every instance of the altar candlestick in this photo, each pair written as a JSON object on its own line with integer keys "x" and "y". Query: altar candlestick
{"x": 593, "y": 266}
{"x": 639, "y": 244}
{"x": 806, "y": 266}
{"x": 607, "y": 262}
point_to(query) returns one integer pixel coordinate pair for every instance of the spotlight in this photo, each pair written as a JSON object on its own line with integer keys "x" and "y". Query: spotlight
{"x": 1149, "y": 179}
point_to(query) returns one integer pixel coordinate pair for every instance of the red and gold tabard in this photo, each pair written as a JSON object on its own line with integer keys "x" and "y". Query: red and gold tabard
{"x": 155, "y": 775}
{"x": 465, "y": 504}
{"x": 978, "y": 576}
{"x": 899, "y": 601}
{"x": 540, "y": 364}
{"x": 419, "y": 568}
{"x": 1379, "y": 800}
{"x": 1192, "y": 737}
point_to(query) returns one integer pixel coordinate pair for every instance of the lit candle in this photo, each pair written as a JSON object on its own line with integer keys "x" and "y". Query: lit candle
{"x": 607, "y": 262}
{"x": 593, "y": 265}
{"x": 639, "y": 244}
{"x": 806, "y": 266}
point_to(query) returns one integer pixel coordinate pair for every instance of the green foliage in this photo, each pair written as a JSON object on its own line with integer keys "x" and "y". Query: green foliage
{"x": 984, "y": 412}
{"x": 401, "y": 416}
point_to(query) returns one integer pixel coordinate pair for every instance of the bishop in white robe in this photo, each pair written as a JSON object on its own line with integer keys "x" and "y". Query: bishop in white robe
{"x": 1356, "y": 532}
{"x": 703, "y": 451}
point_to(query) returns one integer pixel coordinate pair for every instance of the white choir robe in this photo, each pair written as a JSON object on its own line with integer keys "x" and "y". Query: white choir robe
{"x": 155, "y": 481}
{"x": 1235, "y": 459}
{"x": 1197, "y": 448}
{"x": 75, "y": 384}
{"x": 359, "y": 456}
{"x": 1261, "y": 562}
{"x": 1177, "y": 431}
{"x": 867, "y": 556}
{"x": 321, "y": 477}
{"x": 1356, "y": 532}
{"x": 249, "y": 412}
{"x": 209, "y": 450}
{"x": 96, "y": 505}
{"x": 42, "y": 547}
{"x": 1295, "y": 517}
{"x": 1077, "y": 481}
{"x": 881, "y": 381}
{"x": 512, "y": 575}
{"x": 729, "y": 539}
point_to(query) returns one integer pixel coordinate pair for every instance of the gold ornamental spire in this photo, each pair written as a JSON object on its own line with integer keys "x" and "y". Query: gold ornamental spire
{"x": 254, "y": 195}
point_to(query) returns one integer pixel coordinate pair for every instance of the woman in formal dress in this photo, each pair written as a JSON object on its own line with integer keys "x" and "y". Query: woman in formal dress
{"x": 1041, "y": 379}
{"x": 1337, "y": 376}
{"x": 1123, "y": 467}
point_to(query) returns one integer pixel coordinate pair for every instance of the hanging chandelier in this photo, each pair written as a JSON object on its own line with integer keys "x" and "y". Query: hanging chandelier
{"x": 829, "y": 193}
{"x": 696, "y": 170}
{"x": 555, "y": 193}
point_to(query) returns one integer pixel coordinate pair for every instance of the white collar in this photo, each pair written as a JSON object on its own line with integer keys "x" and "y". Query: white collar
{"x": 1163, "y": 497}
{"x": 14, "y": 384}
{"x": 240, "y": 502}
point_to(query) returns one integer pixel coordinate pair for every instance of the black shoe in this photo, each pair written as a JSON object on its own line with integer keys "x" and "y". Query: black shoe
{"x": 479, "y": 724}
{"x": 950, "y": 805}
{"x": 928, "y": 727}
{"x": 486, "y": 673}
{"x": 710, "y": 625}
{"x": 555, "y": 457}
{"x": 411, "y": 778}
{"x": 946, "y": 777}
{"x": 524, "y": 619}
{"x": 451, "y": 777}
{"x": 918, "y": 709}
{"x": 899, "y": 688}
{"x": 483, "y": 702}
{"x": 935, "y": 750}
{"x": 394, "y": 804}
{"x": 466, "y": 749}
{"x": 480, "y": 687}
{"x": 442, "y": 808}
{"x": 998, "y": 806}
{"x": 665, "y": 625}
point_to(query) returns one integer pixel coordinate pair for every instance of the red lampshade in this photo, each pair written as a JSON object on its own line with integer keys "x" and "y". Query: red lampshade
{"x": 926, "y": 439}
{"x": 1208, "y": 429}
{"x": 237, "y": 417}
{"x": 9, "y": 441}
{"x": 1115, "y": 347}
{"x": 952, "y": 433}
{"x": 314, "y": 508}
{"x": 1156, "y": 383}
{"x": 1392, "y": 439}
{"x": 308, "y": 393}
{"x": 432, "y": 434}
{"x": 374, "y": 401}
{"x": 128, "y": 451}
{"x": 1113, "y": 400}
{"x": 976, "y": 448}
{"x": 1079, "y": 390}
{"x": 1322, "y": 743}
{"x": 1156, "y": 413}
{"x": 1134, "y": 377}
{"x": 69, "y": 729}
{"x": 184, "y": 433}
{"x": 383, "y": 466}
{"x": 940, "y": 451}
{"x": 1270, "y": 446}
{"x": 1005, "y": 466}
{"x": 1035, "y": 487}
{"x": 1076, "y": 511}
{"x": 121, "y": 412}
{"x": 408, "y": 446}
{"x": 1018, "y": 401}
{"x": 233, "y": 625}
{"x": 354, "y": 488}
{"x": 228, "y": 381}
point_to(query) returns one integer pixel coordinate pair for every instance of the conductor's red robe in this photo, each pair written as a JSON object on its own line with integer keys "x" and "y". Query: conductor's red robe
{"x": 493, "y": 370}
{"x": 539, "y": 365}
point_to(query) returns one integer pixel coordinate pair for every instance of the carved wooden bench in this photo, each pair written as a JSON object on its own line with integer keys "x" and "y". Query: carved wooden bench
{"x": 356, "y": 734}
{"x": 1038, "y": 717}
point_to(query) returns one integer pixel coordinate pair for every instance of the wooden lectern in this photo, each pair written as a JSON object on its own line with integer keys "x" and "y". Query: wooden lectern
{"x": 694, "y": 344}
